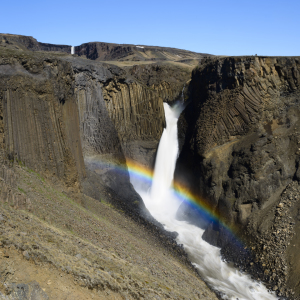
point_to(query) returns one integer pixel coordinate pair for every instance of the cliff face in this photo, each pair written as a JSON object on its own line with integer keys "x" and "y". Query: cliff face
{"x": 102, "y": 148}
{"x": 135, "y": 104}
{"x": 109, "y": 52}
{"x": 121, "y": 117}
{"x": 39, "y": 118}
{"x": 127, "y": 104}
{"x": 13, "y": 41}
{"x": 73, "y": 113}
{"x": 241, "y": 144}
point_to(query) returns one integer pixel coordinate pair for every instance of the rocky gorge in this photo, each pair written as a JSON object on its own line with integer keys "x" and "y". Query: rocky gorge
{"x": 69, "y": 123}
{"x": 72, "y": 226}
{"x": 240, "y": 151}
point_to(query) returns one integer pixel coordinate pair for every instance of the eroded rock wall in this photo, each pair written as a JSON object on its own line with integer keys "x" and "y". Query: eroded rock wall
{"x": 39, "y": 116}
{"x": 121, "y": 117}
{"x": 138, "y": 115}
{"x": 102, "y": 148}
{"x": 240, "y": 148}
{"x": 135, "y": 104}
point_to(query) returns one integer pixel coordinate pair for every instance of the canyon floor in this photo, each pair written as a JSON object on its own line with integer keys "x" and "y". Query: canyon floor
{"x": 53, "y": 246}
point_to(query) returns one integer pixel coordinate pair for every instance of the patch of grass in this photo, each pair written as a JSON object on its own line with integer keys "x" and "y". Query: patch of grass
{"x": 33, "y": 172}
{"x": 21, "y": 190}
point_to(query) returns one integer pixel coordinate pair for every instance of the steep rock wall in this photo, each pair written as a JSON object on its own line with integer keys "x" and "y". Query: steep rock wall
{"x": 240, "y": 151}
{"x": 135, "y": 104}
{"x": 39, "y": 116}
{"x": 121, "y": 109}
{"x": 102, "y": 148}
{"x": 121, "y": 117}
{"x": 138, "y": 115}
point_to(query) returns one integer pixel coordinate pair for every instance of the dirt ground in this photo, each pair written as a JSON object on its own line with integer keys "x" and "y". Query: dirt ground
{"x": 61, "y": 249}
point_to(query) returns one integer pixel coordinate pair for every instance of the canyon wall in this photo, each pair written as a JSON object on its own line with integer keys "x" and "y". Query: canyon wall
{"x": 54, "y": 122}
{"x": 82, "y": 119}
{"x": 240, "y": 151}
{"x": 135, "y": 104}
{"x": 121, "y": 109}
{"x": 67, "y": 126}
{"x": 39, "y": 118}
{"x": 121, "y": 118}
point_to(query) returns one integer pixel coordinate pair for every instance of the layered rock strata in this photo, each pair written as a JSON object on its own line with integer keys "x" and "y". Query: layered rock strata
{"x": 240, "y": 151}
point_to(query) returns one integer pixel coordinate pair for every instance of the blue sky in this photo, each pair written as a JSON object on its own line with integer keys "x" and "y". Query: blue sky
{"x": 231, "y": 27}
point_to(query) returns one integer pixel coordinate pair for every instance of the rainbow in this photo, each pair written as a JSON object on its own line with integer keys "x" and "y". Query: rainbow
{"x": 145, "y": 174}
{"x": 182, "y": 193}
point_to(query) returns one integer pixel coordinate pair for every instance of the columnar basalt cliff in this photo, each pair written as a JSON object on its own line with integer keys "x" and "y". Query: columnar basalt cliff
{"x": 127, "y": 103}
{"x": 240, "y": 151}
{"x": 135, "y": 104}
{"x": 39, "y": 118}
{"x": 121, "y": 117}
{"x": 119, "y": 112}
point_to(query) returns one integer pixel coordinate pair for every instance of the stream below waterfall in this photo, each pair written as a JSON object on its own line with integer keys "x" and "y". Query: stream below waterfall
{"x": 163, "y": 204}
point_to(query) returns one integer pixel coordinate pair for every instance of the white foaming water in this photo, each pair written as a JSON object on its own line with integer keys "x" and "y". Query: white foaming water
{"x": 163, "y": 205}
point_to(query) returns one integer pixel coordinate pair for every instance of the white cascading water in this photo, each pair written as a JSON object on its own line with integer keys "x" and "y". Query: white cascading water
{"x": 163, "y": 205}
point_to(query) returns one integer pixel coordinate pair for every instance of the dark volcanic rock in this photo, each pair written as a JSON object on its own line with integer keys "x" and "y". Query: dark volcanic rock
{"x": 108, "y": 52}
{"x": 119, "y": 112}
{"x": 39, "y": 117}
{"x": 13, "y": 41}
{"x": 241, "y": 145}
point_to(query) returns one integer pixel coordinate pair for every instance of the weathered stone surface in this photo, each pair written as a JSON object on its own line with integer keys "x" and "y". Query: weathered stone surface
{"x": 121, "y": 109}
{"x": 22, "y": 291}
{"x": 65, "y": 108}
{"x": 241, "y": 141}
{"x": 39, "y": 116}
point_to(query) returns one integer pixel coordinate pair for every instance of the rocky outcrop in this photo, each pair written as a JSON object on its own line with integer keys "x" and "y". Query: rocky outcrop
{"x": 13, "y": 41}
{"x": 102, "y": 148}
{"x": 119, "y": 112}
{"x": 22, "y": 291}
{"x": 240, "y": 151}
{"x": 123, "y": 52}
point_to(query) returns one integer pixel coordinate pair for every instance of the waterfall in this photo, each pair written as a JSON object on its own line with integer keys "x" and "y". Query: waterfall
{"x": 163, "y": 205}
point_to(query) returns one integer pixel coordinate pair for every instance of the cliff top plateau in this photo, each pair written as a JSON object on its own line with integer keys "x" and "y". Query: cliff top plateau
{"x": 121, "y": 54}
